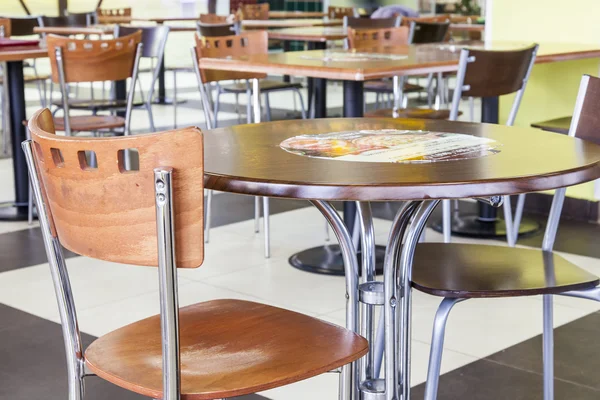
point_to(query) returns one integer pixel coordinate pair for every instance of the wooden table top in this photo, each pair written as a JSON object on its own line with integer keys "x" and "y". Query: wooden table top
{"x": 410, "y": 60}
{"x": 288, "y": 23}
{"x": 247, "y": 159}
{"x": 324, "y": 34}
{"x": 76, "y": 30}
{"x": 20, "y": 53}
{"x": 296, "y": 14}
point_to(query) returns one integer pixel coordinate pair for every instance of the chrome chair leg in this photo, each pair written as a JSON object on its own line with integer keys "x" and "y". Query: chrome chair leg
{"x": 518, "y": 216}
{"x": 268, "y": 107}
{"x": 447, "y": 220}
{"x": 150, "y": 115}
{"x": 266, "y": 227}
{"x": 548, "y": 348}
{"x": 174, "y": 99}
{"x": 508, "y": 220}
{"x": 207, "y": 216}
{"x": 216, "y": 108}
{"x": 437, "y": 347}
{"x": 256, "y": 214}
{"x": 302, "y": 109}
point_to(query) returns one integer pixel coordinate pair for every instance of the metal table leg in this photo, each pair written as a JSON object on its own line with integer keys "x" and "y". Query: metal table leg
{"x": 328, "y": 259}
{"x": 17, "y": 210}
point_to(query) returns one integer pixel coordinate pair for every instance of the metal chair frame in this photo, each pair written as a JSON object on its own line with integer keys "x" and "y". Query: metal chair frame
{"x": 158, "y": 56}
{"x": 441, "y": 317}
{"x": 65, "y": 95}
{"x": 254, "y": 94}
{"x": 169, "y": 314}
{"x": 465, "y": 59}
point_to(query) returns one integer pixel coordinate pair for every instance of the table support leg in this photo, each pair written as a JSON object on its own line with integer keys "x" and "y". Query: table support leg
{"x": 486, "y": 224}
{"x": 17, "y": 211}
{"x": 349, "y": 373}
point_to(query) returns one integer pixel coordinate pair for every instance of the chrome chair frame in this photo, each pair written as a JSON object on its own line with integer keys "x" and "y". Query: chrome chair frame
{"x": 158, "y": 56}
{"x": 65, "y": 94}
{"x": 465, "y": 59}
{"x": 206, "y": 107}
{"x": 441, "y": 317}
{"x": 169, "y": 313}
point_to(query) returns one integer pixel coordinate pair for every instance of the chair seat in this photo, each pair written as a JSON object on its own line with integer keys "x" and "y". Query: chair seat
{"x": 473, "y": 270}
{"x": 228, "y": 348}
{"x": 558, "y": 125}
{"x": 90, "y": 122}
{"x": 265, "y": 85}
{"x": 387, "y": 86}
{"x": 96, "y": 104}
{"x": 423, "y": 113}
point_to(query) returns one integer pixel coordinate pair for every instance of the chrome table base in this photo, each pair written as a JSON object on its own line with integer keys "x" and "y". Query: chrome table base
{"x": 361, "y": 379}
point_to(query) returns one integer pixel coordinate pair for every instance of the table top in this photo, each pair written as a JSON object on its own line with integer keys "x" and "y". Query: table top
{"x": 20, "y": 53}
{"x": 296, "y": 14}
{"x": 288, "y": 23}
{"x": 76, "y": 30}
{"x": 401, "y": 60}
{"x": 247, "y": 159}
{"x": 324, "y": 34}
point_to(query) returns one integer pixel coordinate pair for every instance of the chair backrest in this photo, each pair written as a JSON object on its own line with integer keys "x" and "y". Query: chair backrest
{"x": 341, "y": 12}
{"x": 370, "y": 38}
{"x": 62, "y": 20}
{"x": 244, "y": 44}
{"x": 93, "y": 60}
{"x": 490, "y": 73}
{"x": 108, "y": 212}
{"x": 210, "y": 29}
{"x": 428, "y": 32}
{"x": 255, "y": 11}
{"x": 154, "y": 38}
{"x": 431, "y": 20}
{"x": 114, "y": 12}
{"x": 23, "y": 26}
{"x": 586, "y": 117}
{"x": 4, "y": 27}
{"x": 371, "y": 23}
{"x": 214, "y": 19}
{"x": 82, "y": 19}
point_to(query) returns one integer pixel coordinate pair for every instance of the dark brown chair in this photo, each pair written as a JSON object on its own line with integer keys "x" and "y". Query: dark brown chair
{"x": 341, "y": 12}
{"x": 151, "y": 214}
{"x": 214, "y": 29}
{"x": 371, "y": 23}
{"x": 82, "y": 60}
{"x": 4, "y": 27}
{"x": 255, "y": 11}
{"x": 214, "y": 18}
{"x": 428, "y": 32}
{"x": 459, "y": 272}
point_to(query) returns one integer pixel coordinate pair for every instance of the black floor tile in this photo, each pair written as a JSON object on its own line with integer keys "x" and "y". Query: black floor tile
{"x": 576, "y": 352}
{"x": 33, "y": 366}
{"x": 487, "y": 380}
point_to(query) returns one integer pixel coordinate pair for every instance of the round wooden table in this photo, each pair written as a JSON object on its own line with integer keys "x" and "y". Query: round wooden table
{"x": 248, "y": 159}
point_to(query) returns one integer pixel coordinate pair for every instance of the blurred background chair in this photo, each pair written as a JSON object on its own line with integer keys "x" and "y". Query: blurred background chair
{"x": 83, "y": 60}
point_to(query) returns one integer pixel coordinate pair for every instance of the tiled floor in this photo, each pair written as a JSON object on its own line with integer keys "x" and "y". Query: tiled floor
{"x": 492, "y": 349}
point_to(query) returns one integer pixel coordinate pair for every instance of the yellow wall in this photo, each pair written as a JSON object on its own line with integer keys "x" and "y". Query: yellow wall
{"x": 552, "y": 89}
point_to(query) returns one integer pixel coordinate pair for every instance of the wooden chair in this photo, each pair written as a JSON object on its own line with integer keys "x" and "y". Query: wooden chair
{"x": 4, "y": 27}
{"x": 341, "y": 12}
{"x": 114, "y": 12}
{"x": 428, "y": 32}
{"x": 248, "y": 43}
{"x": 213, "y": 18}
{"x": 372, "y": 40}
{"x": 458, "y": 272}
{"x": 255, "y": 11}
{"x": 80, "y": 60}
{"x": 82, "y": 19}
{"x": 150, "y": 213}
